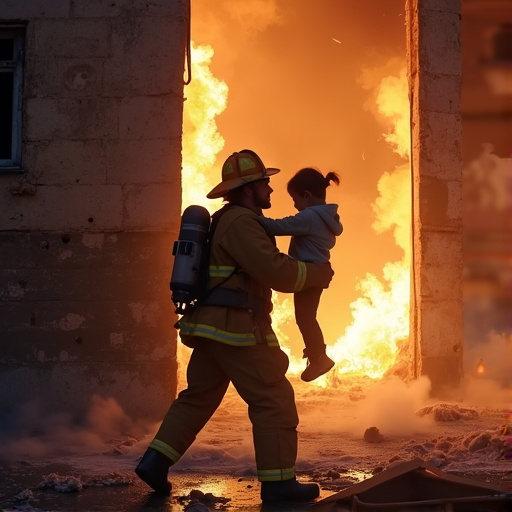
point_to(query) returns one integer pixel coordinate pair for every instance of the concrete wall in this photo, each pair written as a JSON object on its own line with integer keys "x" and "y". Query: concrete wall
{"x": 433, "y": 32}
{"x": 86, "y": 229}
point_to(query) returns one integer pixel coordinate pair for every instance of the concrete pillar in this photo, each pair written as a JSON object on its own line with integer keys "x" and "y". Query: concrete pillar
{"x": 433, "y": 33}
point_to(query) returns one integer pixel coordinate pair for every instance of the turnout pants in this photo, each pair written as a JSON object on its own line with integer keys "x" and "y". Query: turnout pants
{"x": 258, "y": 374}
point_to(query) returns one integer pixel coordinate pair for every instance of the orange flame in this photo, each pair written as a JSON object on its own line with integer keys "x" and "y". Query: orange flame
{"x": 206, "y": 99}
{"x": 371, "y": 345}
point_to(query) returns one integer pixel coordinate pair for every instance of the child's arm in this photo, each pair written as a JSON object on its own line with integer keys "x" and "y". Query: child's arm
{"x": 298, "y": 224}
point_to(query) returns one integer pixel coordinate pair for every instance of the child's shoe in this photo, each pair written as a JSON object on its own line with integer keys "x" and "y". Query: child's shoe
{"x": 317, "y": 367}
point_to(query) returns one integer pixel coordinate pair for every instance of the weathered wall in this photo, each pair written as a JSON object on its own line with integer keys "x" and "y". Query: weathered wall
{"x": 86, "y": 230}
{"x": 433, "y": 31}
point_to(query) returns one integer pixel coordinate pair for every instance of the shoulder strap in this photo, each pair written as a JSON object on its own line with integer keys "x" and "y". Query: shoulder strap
{"x": 206, "y": 262}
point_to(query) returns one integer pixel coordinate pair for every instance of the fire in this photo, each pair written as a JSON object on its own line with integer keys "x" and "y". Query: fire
{"x": 206, "y": 99}
{"x": 393, "y": 104}
{"x": 372, "y": 344}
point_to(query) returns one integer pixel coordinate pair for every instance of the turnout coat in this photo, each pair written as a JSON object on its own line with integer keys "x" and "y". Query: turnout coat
{"x": 245, "y": 265}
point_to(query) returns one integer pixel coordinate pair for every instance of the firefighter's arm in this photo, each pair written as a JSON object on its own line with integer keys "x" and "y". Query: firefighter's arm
{"x": 250, "y": 246}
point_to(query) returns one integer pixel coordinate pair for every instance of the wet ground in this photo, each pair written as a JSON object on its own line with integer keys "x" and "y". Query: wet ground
{"x": 60, "y": 487}
{"x": 32, "y": 487}
{"x": 69, "y": 469}
{"x": 106, "y": 482}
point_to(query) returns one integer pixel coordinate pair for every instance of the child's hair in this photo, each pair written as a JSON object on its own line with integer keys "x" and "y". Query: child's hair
{"x": 312, "y": 180}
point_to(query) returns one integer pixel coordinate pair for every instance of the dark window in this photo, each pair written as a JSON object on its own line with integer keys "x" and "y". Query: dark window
{"x": 11, "y": 80}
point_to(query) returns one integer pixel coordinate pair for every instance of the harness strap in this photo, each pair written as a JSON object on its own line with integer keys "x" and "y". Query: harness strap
{"x": 238, "y": 299}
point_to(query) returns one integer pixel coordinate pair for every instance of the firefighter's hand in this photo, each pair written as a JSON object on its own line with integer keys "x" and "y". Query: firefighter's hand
{"x": 325, "y": 273}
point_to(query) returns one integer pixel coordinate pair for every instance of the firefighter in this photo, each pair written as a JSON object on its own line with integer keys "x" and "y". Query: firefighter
{"x": 232, "y": 339}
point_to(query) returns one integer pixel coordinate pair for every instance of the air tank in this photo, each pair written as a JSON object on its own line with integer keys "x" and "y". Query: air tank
{"x": 190, "y": 258}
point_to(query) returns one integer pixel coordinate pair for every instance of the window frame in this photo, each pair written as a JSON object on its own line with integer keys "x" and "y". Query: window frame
{"x": 14, "y": 66}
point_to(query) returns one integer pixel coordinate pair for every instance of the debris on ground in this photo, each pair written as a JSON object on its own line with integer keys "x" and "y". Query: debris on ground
{"x": 61, "y": 483}
{"x": 416, "y": 484}
{"x": 373, "y": 435}
{"x": 198, "y": 501}
{"x": 448, "y": 412}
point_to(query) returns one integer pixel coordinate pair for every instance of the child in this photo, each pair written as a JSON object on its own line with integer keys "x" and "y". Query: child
{"x": 313, "y": 233}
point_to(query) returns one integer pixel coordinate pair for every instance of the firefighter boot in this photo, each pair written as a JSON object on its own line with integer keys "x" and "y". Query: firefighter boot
{"x": 288, "y": 490}
{"x": 152, "y": 469}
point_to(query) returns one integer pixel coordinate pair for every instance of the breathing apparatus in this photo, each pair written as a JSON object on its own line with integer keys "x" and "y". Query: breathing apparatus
{"x": 190, "y": 251}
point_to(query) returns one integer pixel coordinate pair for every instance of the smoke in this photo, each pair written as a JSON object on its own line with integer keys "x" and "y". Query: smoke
{"x": 486, "y": 392}
{"x": 33, "y": 432}
{"x": 487, "y": 196}
{"x": 389, "y": 404}
{"x": 487, "y": 185}
{"x": 229, "y": 25}
{"x": 229, "y": 20}
{"x": 221, "y": 450}
{"x": 252, "y": 15}
{"x": 488, "y": 371}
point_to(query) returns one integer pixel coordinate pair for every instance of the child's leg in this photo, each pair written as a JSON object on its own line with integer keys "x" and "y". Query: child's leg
{"x": 306, "y": 306}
